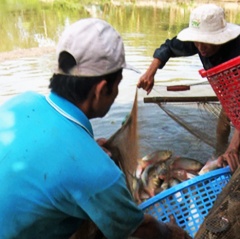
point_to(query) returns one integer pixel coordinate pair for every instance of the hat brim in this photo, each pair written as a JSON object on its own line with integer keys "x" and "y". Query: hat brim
{"x": 131, "y": 68}
{"x": 230, "y": 32}
{"x": 76, "y": 72}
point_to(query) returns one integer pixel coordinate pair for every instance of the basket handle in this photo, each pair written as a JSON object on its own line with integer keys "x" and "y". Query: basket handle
{"x": 203, "y": 73}
{"x": 220, "y": 68}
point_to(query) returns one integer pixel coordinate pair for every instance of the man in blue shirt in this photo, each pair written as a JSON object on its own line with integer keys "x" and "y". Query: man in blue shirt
{"x": 215, "y": 41}
{"x": 54, "y": 176}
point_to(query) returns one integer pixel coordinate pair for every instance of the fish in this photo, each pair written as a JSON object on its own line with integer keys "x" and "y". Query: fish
{"x": 161, "y": 170}
{"x": 188, "y": 164}
{"x": 150, "y": 178}
{"x": 181, "y": 175}
{"x": 152, "y": 158}
{"x": 153, "y": 183}
{"x": 173, "y": 182}
{"x": 164, "y": 186}
{"x": 146, "y": 173}
{"x": 136, "y": 190}
{"x": 140, "y": 192}
{"x": 210, "y": 165}
{"x": 157, "y": 156}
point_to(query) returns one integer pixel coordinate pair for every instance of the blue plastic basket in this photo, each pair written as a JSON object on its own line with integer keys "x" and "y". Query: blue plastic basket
{"x": 190, "y": 201}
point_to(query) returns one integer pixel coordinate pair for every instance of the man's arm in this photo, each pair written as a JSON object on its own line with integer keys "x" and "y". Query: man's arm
{"x": 231, "y": 156}
{"x": 146, "y": 81}
{"x": 153, "y": 229}
{"x": 171, "y": 48}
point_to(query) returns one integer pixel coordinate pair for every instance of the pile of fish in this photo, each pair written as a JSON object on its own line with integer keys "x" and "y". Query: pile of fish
{"x": 161, "y": 170}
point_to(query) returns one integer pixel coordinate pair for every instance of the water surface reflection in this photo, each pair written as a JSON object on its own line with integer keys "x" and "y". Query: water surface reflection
{"x": 143, "y": 29}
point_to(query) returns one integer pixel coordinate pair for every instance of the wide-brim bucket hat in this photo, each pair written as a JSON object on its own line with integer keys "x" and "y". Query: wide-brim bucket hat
{"x": 208, "y": 25}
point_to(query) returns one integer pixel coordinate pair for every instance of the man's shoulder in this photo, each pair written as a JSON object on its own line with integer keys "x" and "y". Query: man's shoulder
{"x": 234, "y": 45}
{"x": 23, "y": 101}
{"x": 27, "y": 96}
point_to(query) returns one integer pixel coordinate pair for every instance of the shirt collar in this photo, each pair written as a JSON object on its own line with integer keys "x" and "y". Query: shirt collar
{"x": 70, "y": 111}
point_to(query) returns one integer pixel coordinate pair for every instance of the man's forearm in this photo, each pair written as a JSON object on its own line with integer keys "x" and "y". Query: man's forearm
{"x": 152, "y": 69}
{"x": 235, "y": 141}
{"x": 151, "y": 229}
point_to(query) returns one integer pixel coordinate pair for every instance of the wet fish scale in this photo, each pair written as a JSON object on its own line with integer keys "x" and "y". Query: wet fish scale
{"x": 152, "y": 158}
{"x": 187, "y": 164}
{"x": 157, "y": 156}
{"x": 161, "y": 170}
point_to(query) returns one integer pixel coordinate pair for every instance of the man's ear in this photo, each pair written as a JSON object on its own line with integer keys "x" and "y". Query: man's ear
{"x": 101, "y": 89}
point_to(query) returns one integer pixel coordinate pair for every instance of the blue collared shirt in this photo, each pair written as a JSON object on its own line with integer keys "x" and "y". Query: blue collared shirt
{"x": 53, "y": 174}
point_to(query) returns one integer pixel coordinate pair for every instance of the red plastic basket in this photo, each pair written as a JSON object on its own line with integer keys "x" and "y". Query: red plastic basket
{"x": 225, "y": 81}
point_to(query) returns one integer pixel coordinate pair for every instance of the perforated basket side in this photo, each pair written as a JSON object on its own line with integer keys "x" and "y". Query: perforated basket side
{"x": 225, "y": 81}
{"x": 220, "y": 68}
{"x": 189, "y": 202}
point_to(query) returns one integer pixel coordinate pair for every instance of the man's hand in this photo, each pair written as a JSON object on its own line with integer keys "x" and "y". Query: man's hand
{"x": 101, "y": 142}
{"x": 146, "y": 81}
{"x": 176, "y": 232}
{"x": 230, "y": 157}
{"x": 151, "y": 228}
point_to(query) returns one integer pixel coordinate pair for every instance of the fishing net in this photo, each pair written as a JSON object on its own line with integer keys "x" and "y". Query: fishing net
{"x": 187, "y": 122}
{"x": 198, "y": 117}
{"x": 185, "y": 125}
{"x": 201, "y": 108}
{"x": 123, "y": 145}
{"x": 222, "y": 222}
{"x": 202, "y": 117}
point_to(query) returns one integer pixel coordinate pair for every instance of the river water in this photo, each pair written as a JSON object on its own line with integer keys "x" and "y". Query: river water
{"x": 27, "y": 59}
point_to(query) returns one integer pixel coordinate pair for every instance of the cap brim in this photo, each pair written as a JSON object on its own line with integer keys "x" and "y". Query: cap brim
{"x": 132, "y": 68}
{"x": 194, "y": 35}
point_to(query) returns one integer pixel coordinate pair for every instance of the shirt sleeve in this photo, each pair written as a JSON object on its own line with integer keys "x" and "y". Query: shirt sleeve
{"x": 174, "y": 48}
{"x": 114, "y": 211}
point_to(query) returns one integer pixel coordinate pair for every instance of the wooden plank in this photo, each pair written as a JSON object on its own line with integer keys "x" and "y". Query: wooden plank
{"x": 168, "y": 99}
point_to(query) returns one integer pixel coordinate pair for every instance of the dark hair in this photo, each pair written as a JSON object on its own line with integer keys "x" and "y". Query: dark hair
{"x": 76, "y": 88}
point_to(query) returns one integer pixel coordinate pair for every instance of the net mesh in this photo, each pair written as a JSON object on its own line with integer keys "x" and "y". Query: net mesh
{"x": 223, "y": 220}
{"x": 199, "y": 112}
{"x": 200, "y": 118}
{"x": 143, "y": 132}
{"x": 205, "y": 132}
{"x": 204, "y": 119}
{"x": 123, "y": 145}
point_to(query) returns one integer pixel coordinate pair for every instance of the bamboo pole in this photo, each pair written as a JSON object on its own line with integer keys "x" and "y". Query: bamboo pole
{"x": 167, "y": 99}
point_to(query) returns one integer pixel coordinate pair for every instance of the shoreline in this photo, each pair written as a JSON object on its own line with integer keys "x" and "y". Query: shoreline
{"x": 172, "y": 4}
{"x": 25, "y": 53}
{"x": 228, "y": 4}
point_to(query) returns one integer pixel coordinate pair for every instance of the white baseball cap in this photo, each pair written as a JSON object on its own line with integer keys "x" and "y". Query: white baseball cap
{"x": 208, "y": 25}
{"x": 95, "y": 45}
